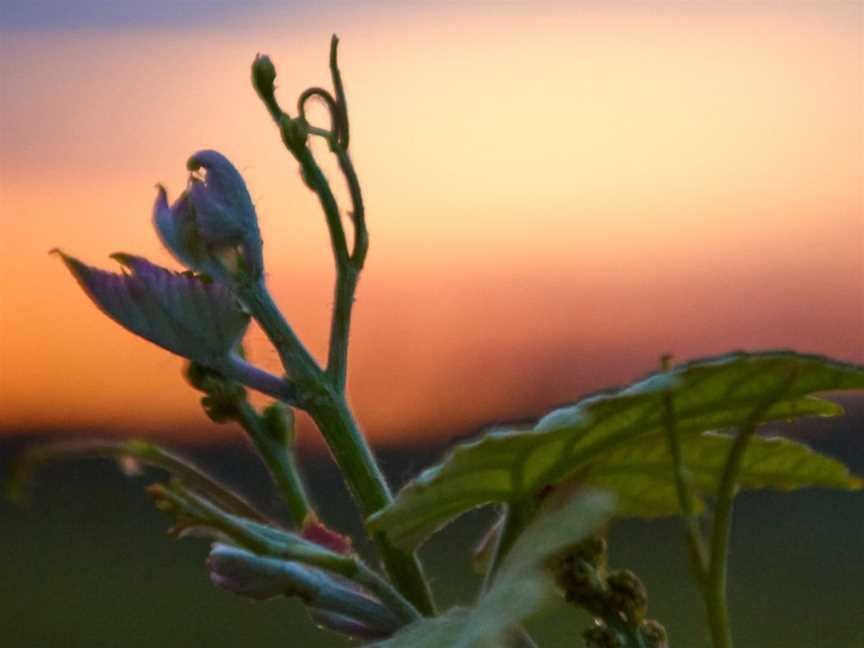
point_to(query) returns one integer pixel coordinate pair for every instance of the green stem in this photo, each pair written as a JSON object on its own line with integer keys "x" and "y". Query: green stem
{"x": 236, "y": 369}
{"x": 328, "y": 408}
{"x": 348, "y": 266}
{"x": 339, "y": 89}
{"x": 366, "y": 482}
{"x": 358, "y": 213}
{"x": 517, "y": 515}
{"x": 280, "y": 462}
{"x": 347, "y": 274}
{"x": 328, "y": 99}
{"x": 386, "y": 593}
{"x": 350, "y": 451}
{"x": 695, "y": 540}
{"x": 296, "y": 359}
{"x": 318, "y": 396}
{"x": 340, "y": 327}
{"x": 317, "y": 182}
{"x": 518, "y": 637}
{"x": 322, "y": 394}
{"x": 715, "y": 588}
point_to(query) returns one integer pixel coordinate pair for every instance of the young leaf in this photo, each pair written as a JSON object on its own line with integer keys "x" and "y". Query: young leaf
{"x": 194, "y": 511}
{"x": 261, "y": 577}
{"x": 523, "y": 584}
{"x": 212, "y": 227}
{"x": 23, "y": 468}
{"x": 710, "y": 394}
{"x": 197, "y": 319}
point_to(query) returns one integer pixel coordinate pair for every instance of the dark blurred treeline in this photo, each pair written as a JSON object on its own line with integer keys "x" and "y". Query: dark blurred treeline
{"x": 87, "y": 563}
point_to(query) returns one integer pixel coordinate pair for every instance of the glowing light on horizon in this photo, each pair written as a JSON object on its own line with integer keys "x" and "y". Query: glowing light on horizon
{"x": 556, "y": 197}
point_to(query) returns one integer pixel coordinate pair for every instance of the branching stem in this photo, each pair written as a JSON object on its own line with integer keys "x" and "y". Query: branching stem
{"x": 322, "y": 393}
{"x": 296, "y": 359}
{"x": 237, "y": 369}
{"x": 517, "y": 515}
{"x": 378, "y": 586}
{"x": 279, "y": 460}
{"x": 715, "y": 587}
{"x": 695, "y": 539}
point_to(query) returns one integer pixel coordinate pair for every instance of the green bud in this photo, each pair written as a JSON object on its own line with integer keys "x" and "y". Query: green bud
{"x": 294, "y": 132}
{"x": 197, "y": 375}
{"x": 158, "y": 493}
{"x": 279, "y": 423}
{"x": 222, "y": 396}
{"x": 583, "y": 585}
{"x": 216, "y": 410}
{"x": 627, "y": 595}
{"x": 602, "y": 636}
{"x": 592, "y": 550}
{"x": 263, "y": 75}
{"x": 654, "y": 634}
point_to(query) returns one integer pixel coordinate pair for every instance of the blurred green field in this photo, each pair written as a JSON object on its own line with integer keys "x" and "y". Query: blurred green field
{"x": 88, "y": 564}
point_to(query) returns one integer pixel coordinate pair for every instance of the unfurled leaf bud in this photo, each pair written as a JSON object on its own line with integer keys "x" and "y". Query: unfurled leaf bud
{"x": 262, "y": 577}
{"x": 212, "y": 227}
{"x": 182, "y": 313}
{"x": 246, "y": 574}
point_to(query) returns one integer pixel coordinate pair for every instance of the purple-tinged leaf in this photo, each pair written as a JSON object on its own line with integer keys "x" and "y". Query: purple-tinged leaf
{"x": 261, "y": 577}
{"x": 212, "y": 227}
{"x": 183, "y": 313}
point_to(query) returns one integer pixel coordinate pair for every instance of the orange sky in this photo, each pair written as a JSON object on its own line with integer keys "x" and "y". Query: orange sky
{"x": 556, "y": 196}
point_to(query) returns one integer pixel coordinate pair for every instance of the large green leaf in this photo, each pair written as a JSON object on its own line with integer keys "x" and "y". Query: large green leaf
{"x": 641, "y": 473}
{"x": 522, "y": 586}
{"x": 712, "y": 394}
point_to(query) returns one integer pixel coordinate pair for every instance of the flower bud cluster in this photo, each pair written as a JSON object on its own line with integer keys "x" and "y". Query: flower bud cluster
{"x": 601, "y": 635}
{"x": 616, "y": 598}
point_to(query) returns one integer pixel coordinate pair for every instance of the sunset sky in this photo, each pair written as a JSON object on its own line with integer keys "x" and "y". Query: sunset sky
{"x": 557, "y": 193}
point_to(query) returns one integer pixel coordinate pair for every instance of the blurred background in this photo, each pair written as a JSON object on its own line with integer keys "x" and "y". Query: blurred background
{"x": 558, "y": 193}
